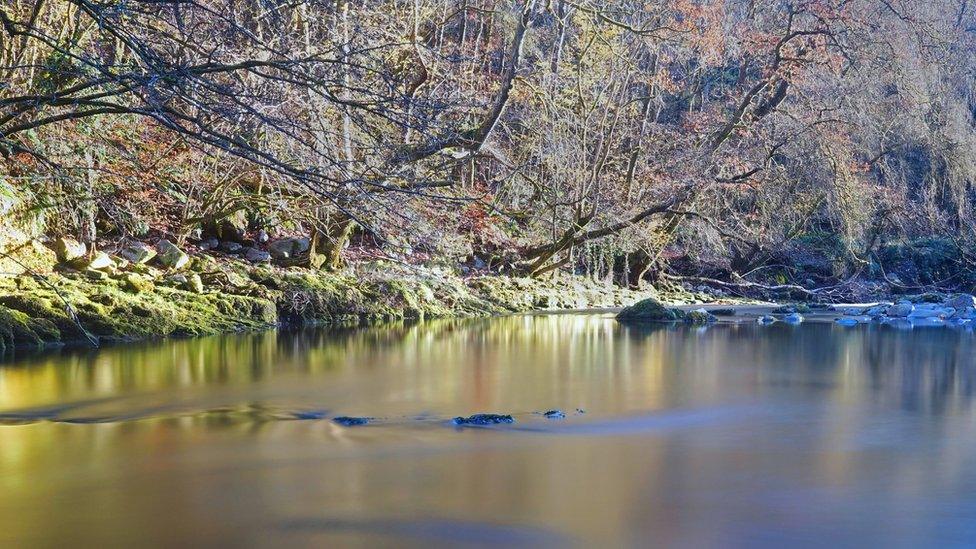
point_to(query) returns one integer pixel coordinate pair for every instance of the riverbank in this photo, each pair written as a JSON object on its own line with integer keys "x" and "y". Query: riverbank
{"x": 211, "y": 294}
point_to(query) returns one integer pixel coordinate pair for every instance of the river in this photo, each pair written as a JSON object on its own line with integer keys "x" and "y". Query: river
{"x": 731, "y": 435}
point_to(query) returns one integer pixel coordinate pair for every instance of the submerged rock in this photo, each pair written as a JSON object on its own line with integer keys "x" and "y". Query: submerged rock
{"x": 309, "y": 414}
{"x": 347, "y": 421}
{"x": 766, "y": 319}
{"x": 650, "y": 310}
{"x": 847, "y": 321}
{"x": 483, "y": 419}
{"x": 554, "y": 414}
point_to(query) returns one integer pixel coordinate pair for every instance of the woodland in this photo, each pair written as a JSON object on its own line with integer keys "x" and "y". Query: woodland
{"x": 809, "y": 144}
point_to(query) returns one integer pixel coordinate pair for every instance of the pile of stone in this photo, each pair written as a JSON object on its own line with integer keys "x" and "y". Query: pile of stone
{"x": 958, "y": 310}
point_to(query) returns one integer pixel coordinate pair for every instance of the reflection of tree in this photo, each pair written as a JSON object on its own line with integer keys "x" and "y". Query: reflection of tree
{"x": 543, "y": 360}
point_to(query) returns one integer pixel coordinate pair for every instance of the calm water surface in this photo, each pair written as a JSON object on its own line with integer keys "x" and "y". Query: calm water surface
{"x": 728, "y": 436}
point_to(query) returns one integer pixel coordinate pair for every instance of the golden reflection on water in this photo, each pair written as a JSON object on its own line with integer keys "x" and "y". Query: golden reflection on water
{"x": 723, "y": 436}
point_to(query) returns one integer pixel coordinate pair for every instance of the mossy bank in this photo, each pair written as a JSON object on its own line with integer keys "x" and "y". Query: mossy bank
{"x": 210, "y": 296}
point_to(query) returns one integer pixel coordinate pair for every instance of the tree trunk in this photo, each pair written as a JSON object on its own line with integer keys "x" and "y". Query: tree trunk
{"x": 326, "y": 247}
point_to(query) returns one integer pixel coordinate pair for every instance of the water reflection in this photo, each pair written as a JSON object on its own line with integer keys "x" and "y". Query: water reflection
{"x": 737, "y": 434}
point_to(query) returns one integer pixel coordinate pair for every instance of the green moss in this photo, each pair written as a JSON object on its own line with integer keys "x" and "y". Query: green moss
{"x": 243, "y": 297}
{"x": 650, "y": 310}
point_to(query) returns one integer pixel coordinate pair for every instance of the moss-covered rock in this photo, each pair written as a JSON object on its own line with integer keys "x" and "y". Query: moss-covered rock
{"x": 650, "y": 310}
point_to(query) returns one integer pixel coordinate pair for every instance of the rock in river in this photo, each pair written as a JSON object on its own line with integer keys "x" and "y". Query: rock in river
{"x": 650, "y": 310}
{"x": 961, "y": 301}
{"x": 347, "y": 421}
{"x": 793, "y": 318}
{"x": 901, "y": 309}
{"x": 700, "y": 316}
{"x": 484, "y": 419}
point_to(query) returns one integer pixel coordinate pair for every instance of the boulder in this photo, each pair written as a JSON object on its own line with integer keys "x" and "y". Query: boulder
{"x": 232, "y": 227}
{"x": 230, "y": 247}
{"x": 650, "y": 310}
{"x": 255, "y": 255}
{"x": 170, "y": 255}
{"x": 878, "y": 310}
{"x": 98, "y": 262}
{"x": 96, "y": 275}
{"x": 930, "y": 312}
{"x": 967, "y": 313}
{"x": 285, "y": 248}
{"x": 961, "y": 301}
{"x": 177, "y": 280}
{"x": 69, "y": 249}
{"x": 209, "y": 244}
{"x": 136, "y": 283}
{"x": 262, "y": 237}
{"x": 793, "y": 318}
{"x": 194, "y": 284}
{"x": 900, "y": 310}
{"x": 700, "y": 316}
{"x": 137, "y": 252}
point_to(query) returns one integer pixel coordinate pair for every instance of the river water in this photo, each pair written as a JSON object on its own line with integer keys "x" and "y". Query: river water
{"x": 734, "y": 435}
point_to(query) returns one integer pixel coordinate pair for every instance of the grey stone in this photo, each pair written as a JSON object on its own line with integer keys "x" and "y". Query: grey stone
{"x": 230, "y": 247}
{"x": 137, "y": 252}
{"x": 285, "y": 248}
{"x": 961, "y": 301}
{"x": 170, "y": 255}
{"x": 255, "y": 255}
{"x": 900, "y": 310}
{"x": 262, "y": 236}
{"x": 793, "y": 318}
{"x": 69, "y": 249}
{"x": 209, "y": 244}
{"x": 98, "y": 262}
{"x": 194, "y": 284}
